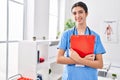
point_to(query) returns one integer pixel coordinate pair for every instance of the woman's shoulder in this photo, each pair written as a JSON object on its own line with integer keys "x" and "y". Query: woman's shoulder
{"x": 95, "y": 33}
{"x": 68, "y": 31}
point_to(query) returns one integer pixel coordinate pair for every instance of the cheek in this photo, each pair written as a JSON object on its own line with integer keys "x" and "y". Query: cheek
{"x": 74, "y": 18}
{"x": 85, "y": 16}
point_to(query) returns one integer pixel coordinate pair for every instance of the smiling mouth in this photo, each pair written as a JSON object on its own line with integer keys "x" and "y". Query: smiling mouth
{"x": 79, "y": 20}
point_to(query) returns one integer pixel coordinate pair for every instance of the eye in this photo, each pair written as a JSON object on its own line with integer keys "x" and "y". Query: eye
{"x": 74, "y": 13}
{"x": 80, "y": 11}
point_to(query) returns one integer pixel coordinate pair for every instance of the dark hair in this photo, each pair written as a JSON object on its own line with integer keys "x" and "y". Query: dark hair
{"x": 80, "y": 4}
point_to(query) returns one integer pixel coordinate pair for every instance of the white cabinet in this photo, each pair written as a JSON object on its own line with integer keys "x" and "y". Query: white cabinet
{"x": 28, "y": 65}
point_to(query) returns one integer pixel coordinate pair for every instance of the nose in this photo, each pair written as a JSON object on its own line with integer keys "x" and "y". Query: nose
{"x": 77, "y": 15}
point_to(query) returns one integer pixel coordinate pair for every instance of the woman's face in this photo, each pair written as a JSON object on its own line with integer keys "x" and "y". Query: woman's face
{"x": 79, "y": 15}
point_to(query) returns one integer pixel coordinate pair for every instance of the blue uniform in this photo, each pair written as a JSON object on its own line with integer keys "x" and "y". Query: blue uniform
{"x": 72, "y": 72}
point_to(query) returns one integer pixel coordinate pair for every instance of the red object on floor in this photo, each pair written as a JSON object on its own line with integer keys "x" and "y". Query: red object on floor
{"x": 41, "y": 60}
{"x": 23, "y": 78}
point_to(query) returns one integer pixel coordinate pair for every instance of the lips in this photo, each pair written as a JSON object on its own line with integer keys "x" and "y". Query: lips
{"x": 79, "y": 19}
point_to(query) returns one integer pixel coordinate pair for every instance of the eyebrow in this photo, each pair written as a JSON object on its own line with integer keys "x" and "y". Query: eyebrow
{"x": 78, "y": 10}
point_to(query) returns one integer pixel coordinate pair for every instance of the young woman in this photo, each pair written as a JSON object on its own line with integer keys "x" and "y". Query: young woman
{"x": 70, "y": 57}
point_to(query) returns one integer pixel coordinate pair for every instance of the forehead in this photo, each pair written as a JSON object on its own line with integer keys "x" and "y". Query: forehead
{"x": 78, "y": 8}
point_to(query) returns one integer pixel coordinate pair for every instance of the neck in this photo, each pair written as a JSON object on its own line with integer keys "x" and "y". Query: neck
{"x": 81, "y": 28}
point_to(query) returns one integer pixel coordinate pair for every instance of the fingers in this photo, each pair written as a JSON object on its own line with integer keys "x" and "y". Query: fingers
{"x": 90, "y": 57}
{"x": 74, "y": 55}
{"x": 71, "y": 50}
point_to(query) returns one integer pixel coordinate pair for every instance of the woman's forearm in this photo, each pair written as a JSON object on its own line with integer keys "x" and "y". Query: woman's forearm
{"x": 98, "y": 63}
{"x": 65, "y": 60}
{"x": 93, "y": 64}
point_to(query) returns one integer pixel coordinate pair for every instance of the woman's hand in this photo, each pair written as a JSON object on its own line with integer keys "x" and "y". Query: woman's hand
{"x": 74, "y": 55}
{"x": 90, "y": 57}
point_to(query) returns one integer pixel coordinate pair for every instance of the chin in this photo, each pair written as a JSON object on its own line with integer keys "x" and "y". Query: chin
{"x": 80, "y": 22}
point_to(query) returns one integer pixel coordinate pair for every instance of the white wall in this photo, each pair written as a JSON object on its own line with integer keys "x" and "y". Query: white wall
{"x": 100, "y": 10}
{"x": 29, "y": 20}
{"x": 36, "y": 19}
{"x": 41, "y": 25}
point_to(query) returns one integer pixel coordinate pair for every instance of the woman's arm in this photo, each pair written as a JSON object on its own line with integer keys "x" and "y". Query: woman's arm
{"x": 97, "y": 63}
{"x": 64, "y": 60}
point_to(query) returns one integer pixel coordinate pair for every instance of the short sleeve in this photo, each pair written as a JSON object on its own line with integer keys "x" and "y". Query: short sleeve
{"x": 63, "y": 42}
{"x": 99, "y": 49}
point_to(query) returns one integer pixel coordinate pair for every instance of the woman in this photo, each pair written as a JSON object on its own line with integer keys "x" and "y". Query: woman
{"x": 70, "y": 57}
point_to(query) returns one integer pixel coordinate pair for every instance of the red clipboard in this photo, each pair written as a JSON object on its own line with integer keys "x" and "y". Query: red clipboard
{"x": 82, "y": 44}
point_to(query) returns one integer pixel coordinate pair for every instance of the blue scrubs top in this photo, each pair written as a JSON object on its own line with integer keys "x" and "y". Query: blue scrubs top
{"x": 72, "y": 72}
